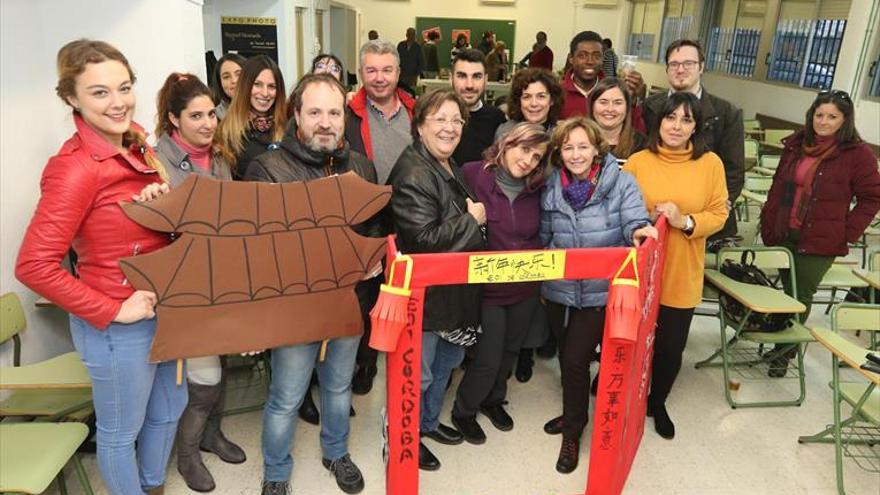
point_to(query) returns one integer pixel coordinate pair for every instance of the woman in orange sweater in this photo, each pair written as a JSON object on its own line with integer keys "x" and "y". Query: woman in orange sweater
{"x": 682, "y": 180}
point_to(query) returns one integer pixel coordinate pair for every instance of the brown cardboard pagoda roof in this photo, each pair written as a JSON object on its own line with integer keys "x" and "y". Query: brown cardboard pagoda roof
{"x": 258, "y": 265}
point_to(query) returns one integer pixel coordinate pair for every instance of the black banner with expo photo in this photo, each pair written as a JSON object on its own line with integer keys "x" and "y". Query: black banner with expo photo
{"x": 249, "y": 36}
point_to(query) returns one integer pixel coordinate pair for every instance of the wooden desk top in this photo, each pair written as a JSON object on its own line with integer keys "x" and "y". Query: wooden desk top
{"x": 871, "y": 277}
{"x": 847, "y": 351}
{"x": 759, "y": 299}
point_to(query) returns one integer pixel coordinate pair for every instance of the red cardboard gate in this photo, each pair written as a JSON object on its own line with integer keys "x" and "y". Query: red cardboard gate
{"x": 627, "y": 346}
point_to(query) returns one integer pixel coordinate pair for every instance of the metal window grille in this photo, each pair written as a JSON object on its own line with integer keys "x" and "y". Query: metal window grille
{"x": 805, "y": 52}
{"x": 733, "y": 51}
{"x": 674, "y": 28}
{"x": 874, "y": 74}
{"x": 642, "y": 45}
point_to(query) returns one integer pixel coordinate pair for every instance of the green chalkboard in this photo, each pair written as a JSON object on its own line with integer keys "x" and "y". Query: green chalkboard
{"x": 504, "y": 31}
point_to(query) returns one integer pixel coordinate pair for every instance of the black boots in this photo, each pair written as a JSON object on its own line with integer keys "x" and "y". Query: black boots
{"x": 199, "y": 428}
{"x": 568, "y": 455}
{"x": 524, "y": 365}
{"x": 663, "y": 424}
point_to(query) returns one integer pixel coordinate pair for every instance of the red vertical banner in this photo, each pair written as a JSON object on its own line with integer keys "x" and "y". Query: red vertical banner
{"x": 403, "y": 374}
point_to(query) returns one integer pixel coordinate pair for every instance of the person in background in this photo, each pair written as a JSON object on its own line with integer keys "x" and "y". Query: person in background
{"x": 372, "y": 35}
{"x": 825, "y": 169}
{"x": 107, "y": 160}
{"x": 724, "y": 135}
{"x": 378, "y": 125}
{"x": 541, "y": 56}
{"x": 224, "y": 80}
{"x": 611, "y": 108}
{"x": 585, "y": 59}
{"x": 461, "y": 44}
{"x": 684, "y": 181}
{"x": 469, "y": 83}
{"x": 186, "y": 126}
{"x": 496, "y": 62}
{"x": 257, "y": 116}
{"x": 508, "y": 183}
{"x": 588, "y": 202}
{"x": 432, "y": 60}
{"x": 412, "y": 60}
{"x": 327, "y": 63}
{"x": 609, "y": 59}
{"x": 487, "y": 42}
{"x": 435, "y": 212}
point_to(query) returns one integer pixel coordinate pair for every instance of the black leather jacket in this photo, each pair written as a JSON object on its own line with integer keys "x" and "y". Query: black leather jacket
{"x": 430, "y": 216}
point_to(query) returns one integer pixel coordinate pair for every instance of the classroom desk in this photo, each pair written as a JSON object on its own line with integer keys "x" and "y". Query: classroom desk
{"x": 872, "y": 277}
{"x": 862, "y": 398}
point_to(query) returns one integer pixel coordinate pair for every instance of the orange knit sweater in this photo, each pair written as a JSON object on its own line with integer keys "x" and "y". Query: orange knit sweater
{"x": 698, "y": 188}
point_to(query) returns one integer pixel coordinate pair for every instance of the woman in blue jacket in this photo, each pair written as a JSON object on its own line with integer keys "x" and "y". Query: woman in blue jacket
{"x": 588, "y": 202}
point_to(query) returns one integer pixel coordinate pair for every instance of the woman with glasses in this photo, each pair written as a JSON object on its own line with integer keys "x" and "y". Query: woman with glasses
{"x": 508, "y": 181}
{"x": 435, "y": 212}
{"x": 824, "y": 169}
{"x": 683, "y": 181}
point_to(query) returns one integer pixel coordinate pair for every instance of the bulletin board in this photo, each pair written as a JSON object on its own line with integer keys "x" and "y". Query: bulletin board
{"x": 504, "y": 31}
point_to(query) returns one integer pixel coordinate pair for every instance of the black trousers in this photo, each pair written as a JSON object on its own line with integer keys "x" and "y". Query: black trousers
{"x": 577, "y": 349}
{"x": 673, "y": 326}
{"x": 485, "y": 379}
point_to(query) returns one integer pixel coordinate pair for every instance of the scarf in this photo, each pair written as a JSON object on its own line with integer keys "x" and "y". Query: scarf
{"x": 821, "y": 149}
{"x": 261, "y": 123}
{"x": 577, "y": 193}
{"x": 201, "y": 157}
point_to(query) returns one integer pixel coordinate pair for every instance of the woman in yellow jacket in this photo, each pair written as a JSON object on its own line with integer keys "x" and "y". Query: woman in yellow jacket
{"x": 681, "y": 179}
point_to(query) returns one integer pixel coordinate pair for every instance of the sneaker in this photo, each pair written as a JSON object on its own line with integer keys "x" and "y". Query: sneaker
{"x": 568, "y": 456}
{"x": 498, "y": 416}
{"x": 348, "y": 476}
{"x": 275, "y": 488}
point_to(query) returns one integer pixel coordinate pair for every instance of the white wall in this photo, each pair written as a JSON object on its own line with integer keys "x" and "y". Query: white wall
{"x": 560, "y": 19}
{"x": 789, "y": 102}
{"x": 157, "y": 36}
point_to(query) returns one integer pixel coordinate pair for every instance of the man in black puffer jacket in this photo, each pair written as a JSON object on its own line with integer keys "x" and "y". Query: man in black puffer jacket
{"x": 314, "y": 147}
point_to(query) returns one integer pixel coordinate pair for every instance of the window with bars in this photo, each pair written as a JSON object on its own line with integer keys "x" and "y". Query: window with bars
{"x": 647, "y": 19}
{"x": 874, "y": 74}
{"x": 734, "y": 36}
{"x": 680, "y": 20}
{"x": 807, "y": 42}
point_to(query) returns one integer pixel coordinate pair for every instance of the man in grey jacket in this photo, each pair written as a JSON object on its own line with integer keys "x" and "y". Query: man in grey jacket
{"x": 723, "y": 122}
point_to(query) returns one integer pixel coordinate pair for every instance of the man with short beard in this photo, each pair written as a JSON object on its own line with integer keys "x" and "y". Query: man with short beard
{"x": 469, "y": 82}
{"x": 313, "y": 148}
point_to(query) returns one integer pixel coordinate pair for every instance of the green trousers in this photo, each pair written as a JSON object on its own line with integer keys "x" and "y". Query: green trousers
{"x": 809, "y": 270}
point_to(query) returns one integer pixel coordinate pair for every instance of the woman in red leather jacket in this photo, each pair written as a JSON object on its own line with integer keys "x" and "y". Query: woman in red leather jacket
{"x": 824, "y": 169}
{"x": 112, "y": 324}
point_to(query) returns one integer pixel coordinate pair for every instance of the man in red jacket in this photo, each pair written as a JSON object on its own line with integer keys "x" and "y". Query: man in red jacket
{"x": 585, "y": 59}
{"x": 378, "y": 125}
{"x": 542, "y": 55}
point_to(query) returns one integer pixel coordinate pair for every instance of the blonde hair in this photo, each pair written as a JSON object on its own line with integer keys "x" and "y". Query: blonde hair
{"x": 72, "y": 61}
{"x": 564, "y": 130}
{"x": 230, "y": 136}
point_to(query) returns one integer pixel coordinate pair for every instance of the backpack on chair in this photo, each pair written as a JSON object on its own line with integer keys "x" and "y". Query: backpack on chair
{"x": 745, "y": 271}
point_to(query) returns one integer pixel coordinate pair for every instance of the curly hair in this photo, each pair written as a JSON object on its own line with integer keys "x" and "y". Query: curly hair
{"x": 522, "y": 80}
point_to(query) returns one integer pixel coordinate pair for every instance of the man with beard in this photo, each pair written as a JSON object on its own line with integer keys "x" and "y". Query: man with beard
{"x": 315, "y": 147}
{"x": 722, "y": 121}
{"x": 585, "y": 59}
{"x": 469, "y": 82}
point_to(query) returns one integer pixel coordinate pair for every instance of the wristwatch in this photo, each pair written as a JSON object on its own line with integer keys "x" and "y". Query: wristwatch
{"x": 688, "y": 225}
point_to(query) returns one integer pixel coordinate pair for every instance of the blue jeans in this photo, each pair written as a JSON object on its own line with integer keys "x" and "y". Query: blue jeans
{"x": 134, "y": 400}
{"x": 291, "y": 373}
{"x": 439, "y": 358}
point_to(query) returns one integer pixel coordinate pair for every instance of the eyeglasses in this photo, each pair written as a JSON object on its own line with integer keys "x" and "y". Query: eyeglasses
{"x": 540, "y": 97}
{"x": 331, "y": 67}
{"x": 443, "y": 122}
{"x": 688, "y": 65}
{"x": 835, "y": 93}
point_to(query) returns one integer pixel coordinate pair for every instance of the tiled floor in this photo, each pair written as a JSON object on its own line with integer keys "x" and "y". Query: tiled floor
{"x": 717, "y": 450}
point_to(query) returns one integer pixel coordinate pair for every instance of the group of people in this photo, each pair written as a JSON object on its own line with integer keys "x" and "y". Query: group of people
{"x": 585, "y": 161}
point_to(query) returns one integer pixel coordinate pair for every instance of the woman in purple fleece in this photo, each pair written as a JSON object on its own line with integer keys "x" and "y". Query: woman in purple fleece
{"x": 508, "y": 182}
